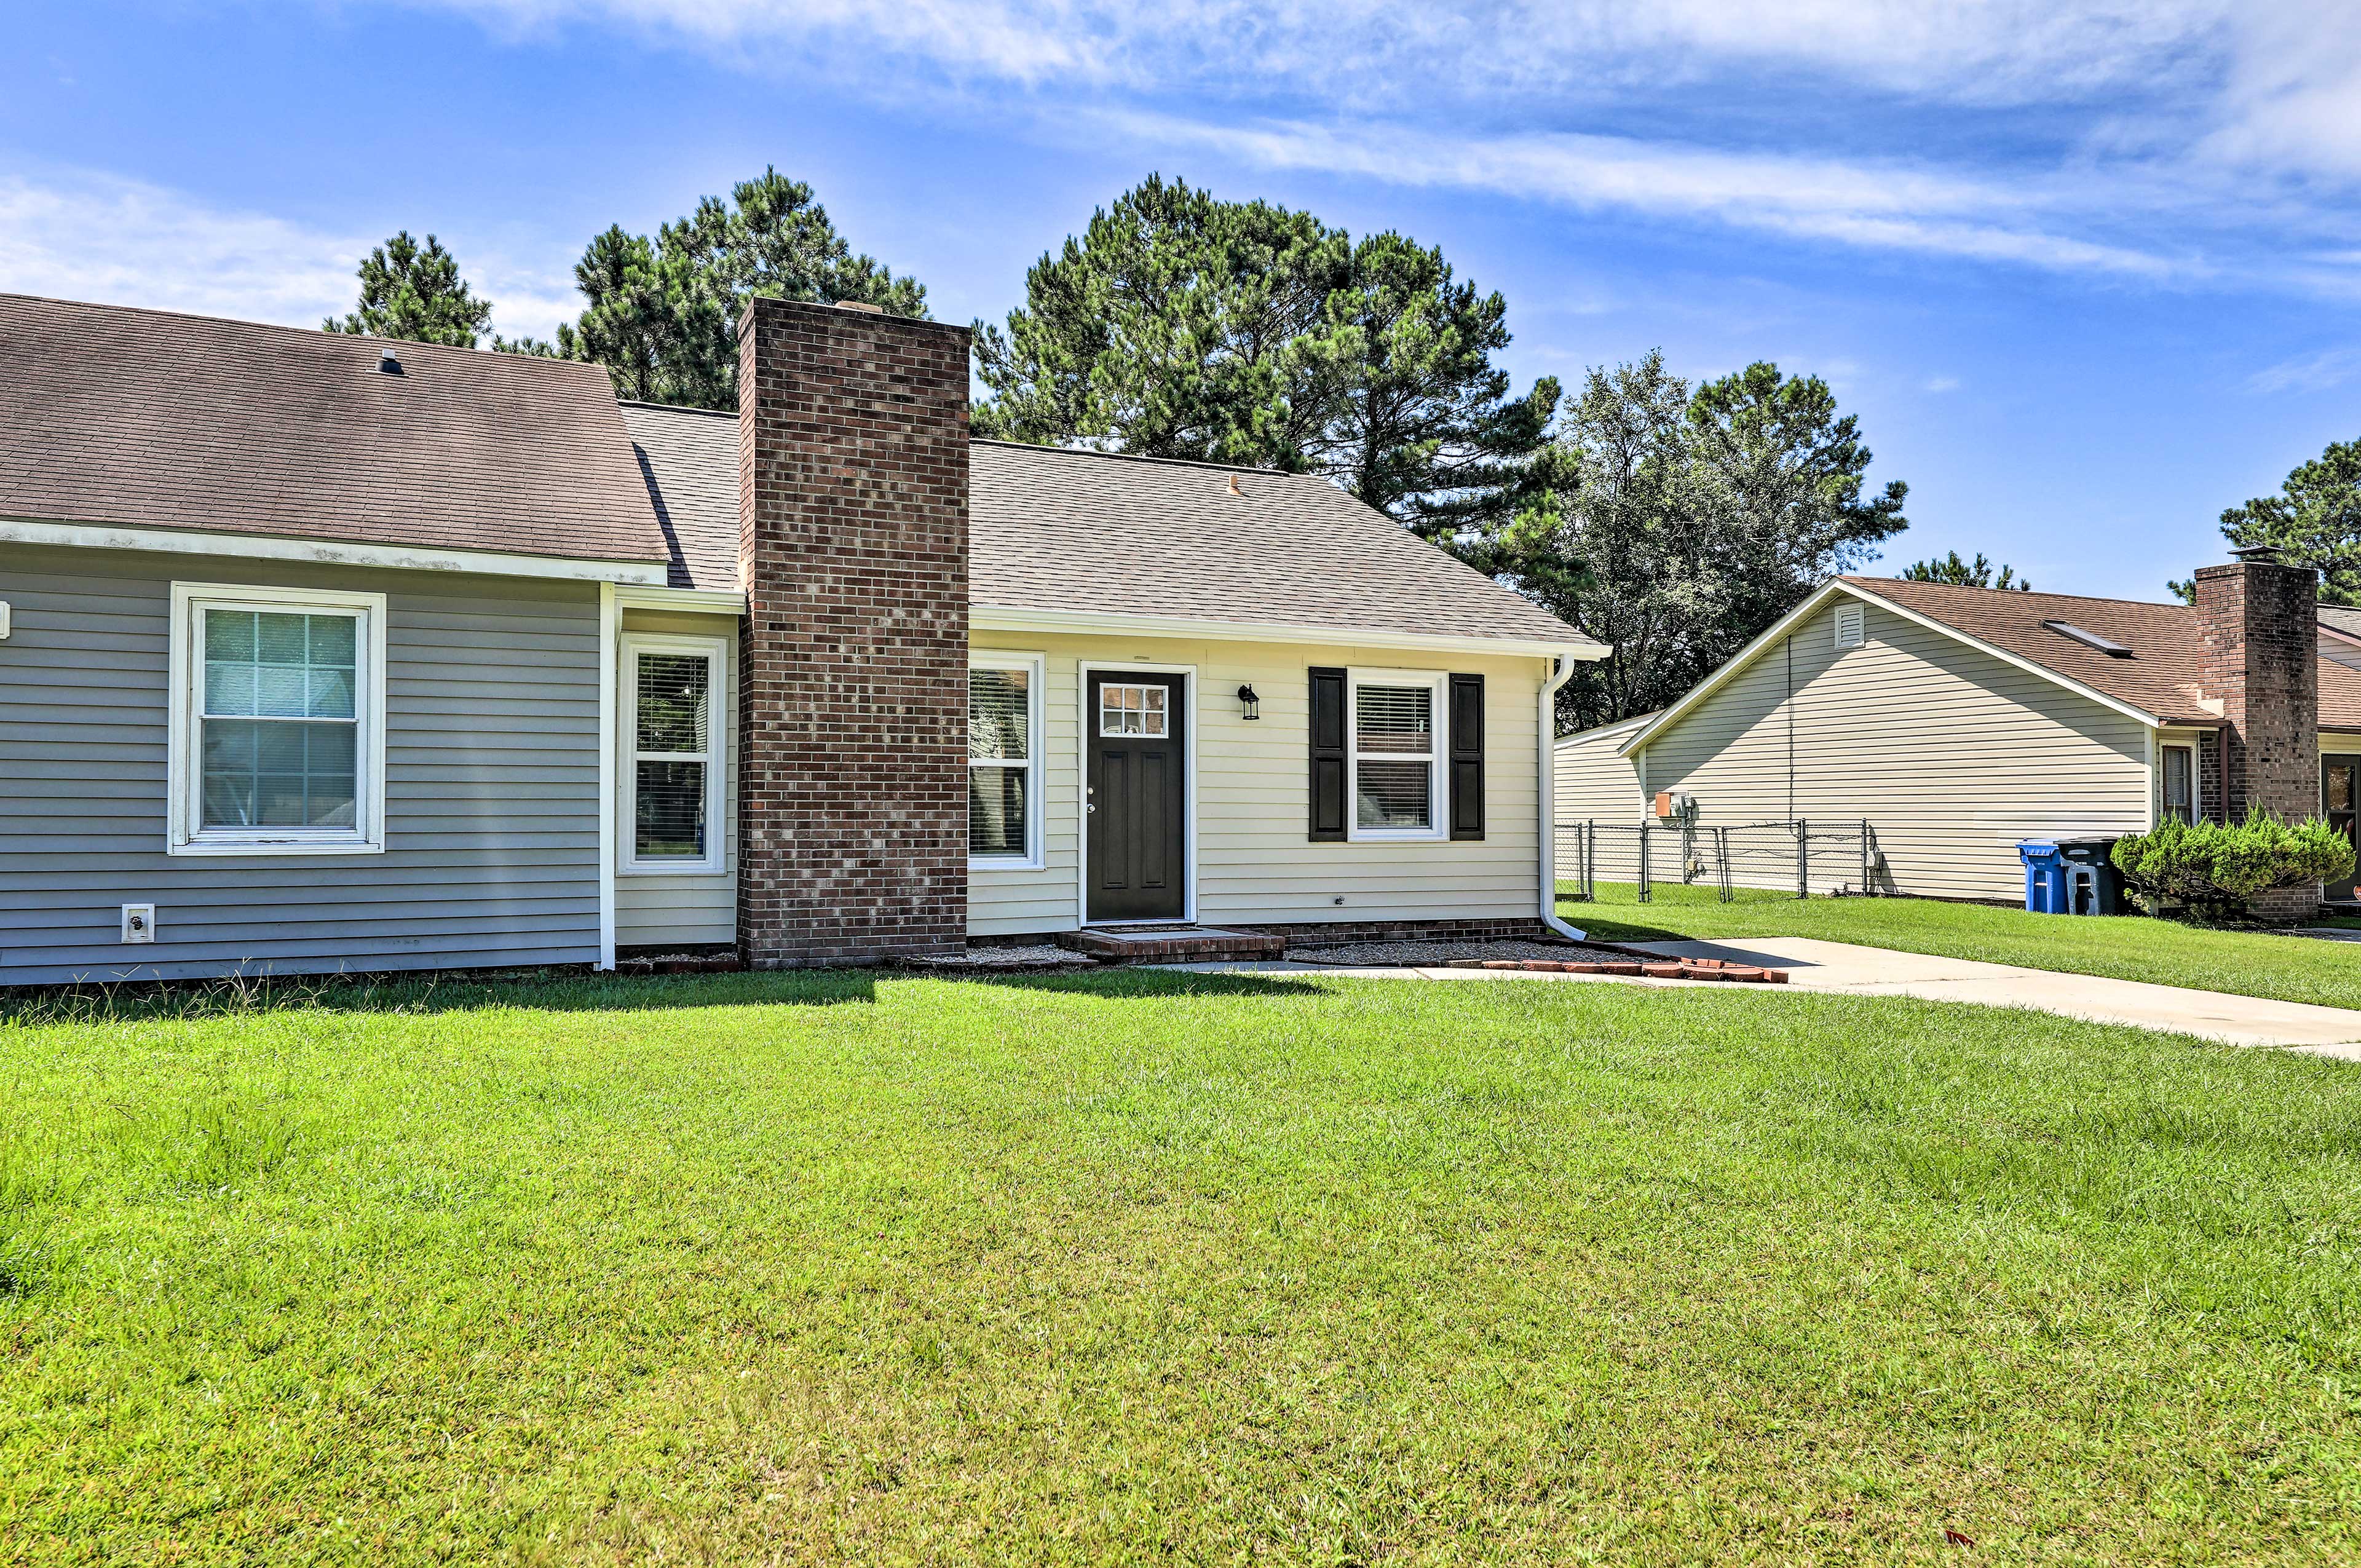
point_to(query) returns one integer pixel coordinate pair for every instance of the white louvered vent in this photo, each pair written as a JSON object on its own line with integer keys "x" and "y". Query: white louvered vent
{"x": 1849, "y": 632}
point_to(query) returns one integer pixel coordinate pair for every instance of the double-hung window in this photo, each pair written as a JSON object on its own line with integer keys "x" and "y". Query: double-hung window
{"x": 277, "y": 735}
{"x": 2179, "y": 783}
{"x": 1004, "y": 761}
{"x": 674, "y": 774}
{"x": 1394, "y": 753}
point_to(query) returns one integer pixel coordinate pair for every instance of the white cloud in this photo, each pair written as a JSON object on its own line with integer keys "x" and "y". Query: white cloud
{"x": 1890, "y": 206}
{"x": 1942, "y": 384}
{"x": 90, "y": 236}
{"x": 2315, "y": 372}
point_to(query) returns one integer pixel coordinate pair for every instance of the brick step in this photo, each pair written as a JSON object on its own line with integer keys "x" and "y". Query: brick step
{"x": 1172, "y": 945}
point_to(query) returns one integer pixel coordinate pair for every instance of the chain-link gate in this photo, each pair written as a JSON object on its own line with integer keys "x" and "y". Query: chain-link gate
{"x": 1795, "y": 859}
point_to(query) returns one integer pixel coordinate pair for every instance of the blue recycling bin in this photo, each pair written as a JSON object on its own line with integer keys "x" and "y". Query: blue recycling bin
{"x": 2045, "y": 877}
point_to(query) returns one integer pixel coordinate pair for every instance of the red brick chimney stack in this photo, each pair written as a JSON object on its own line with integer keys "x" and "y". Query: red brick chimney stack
{"x": 852, "y": 512}
{"x": 2261, "y": 650}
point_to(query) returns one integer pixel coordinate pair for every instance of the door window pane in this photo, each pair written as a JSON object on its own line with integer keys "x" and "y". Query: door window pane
{"x": 2339, "y": 792}
{"x": 1133, "y": 710}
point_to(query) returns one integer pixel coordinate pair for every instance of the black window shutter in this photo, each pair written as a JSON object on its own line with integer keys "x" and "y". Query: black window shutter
{"x": 1327, "y": 756}
{"x": 1467, "y": 756}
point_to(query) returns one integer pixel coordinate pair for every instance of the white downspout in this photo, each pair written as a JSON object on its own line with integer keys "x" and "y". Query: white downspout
{"x": 1563, "y": 672}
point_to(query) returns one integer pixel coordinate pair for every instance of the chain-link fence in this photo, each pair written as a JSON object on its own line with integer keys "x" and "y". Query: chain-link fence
{"x": 1745, "y": 860}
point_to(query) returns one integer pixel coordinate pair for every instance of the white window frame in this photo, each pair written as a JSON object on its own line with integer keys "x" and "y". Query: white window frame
{"x": 185, "y": 833}
{"x": 716, "y": 653}
{"x": 1437, "y": 757}
{"x": 1035, "y": 667}
{"x": 2187, "y": 743}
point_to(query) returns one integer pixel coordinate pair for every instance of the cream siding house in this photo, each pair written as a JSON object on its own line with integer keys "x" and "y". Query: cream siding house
{"x": 1956, "y": 722}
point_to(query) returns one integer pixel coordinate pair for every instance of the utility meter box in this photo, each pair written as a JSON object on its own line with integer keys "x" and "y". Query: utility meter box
{"x": 1675, "y": 806}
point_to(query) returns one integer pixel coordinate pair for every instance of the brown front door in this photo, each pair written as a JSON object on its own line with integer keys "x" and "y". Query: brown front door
{"x": 2340, "y": 800}
{"x": 1137, "y": 805}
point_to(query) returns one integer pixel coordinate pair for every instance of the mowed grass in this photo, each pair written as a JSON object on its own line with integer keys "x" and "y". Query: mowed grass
{"x": 2130, "y": 947}
{"x": 1145, "y": 1267}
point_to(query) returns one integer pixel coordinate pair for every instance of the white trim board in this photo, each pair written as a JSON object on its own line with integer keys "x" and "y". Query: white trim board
{"x": 1831, "y": 590}
{"x": 610, "y": 625}
{"x": 1084, "y": 734}
{"x": 328, "y": 552}
{"x": 1106, "y": 623}
{"x": 684, "y": 601}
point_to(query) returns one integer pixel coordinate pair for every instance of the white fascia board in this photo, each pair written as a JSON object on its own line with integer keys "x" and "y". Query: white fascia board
{"x": 1102, "y": 623}
{"x": 1831, "y": 590}
{"x": 327, "y": 552}
{"x": 1602, "y": 732}
{"x": 699, "y": 601}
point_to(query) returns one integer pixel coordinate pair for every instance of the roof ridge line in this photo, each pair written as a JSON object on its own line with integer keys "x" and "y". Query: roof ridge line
{"x": 1865, "y": 579}
{"x": 1137, "y": 457}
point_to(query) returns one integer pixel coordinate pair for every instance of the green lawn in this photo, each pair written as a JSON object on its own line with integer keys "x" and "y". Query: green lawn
{"x": 2245, "y": 963}
{"x": 1143, "y": 1268}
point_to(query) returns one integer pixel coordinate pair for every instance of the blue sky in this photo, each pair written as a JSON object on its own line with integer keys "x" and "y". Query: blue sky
{"x": 2088, "y": 271}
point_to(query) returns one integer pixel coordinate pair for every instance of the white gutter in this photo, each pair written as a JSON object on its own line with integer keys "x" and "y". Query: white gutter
{"x": 1548, "y": 740}
{"x": 994, "y": 618}
{"x": 327, "y": 552}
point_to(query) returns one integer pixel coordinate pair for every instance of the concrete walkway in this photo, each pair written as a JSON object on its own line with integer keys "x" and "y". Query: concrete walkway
{"x": 1842, "y": 968}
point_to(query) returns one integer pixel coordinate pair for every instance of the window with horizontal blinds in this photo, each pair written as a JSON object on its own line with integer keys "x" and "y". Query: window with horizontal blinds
{"x": 1002, "y": 763}
{"x": 1394, "y": 758}
{"x": 672, "y": 762}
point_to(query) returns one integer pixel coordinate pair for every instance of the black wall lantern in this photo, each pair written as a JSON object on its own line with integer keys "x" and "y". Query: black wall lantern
{"x": 1252, "y": 703}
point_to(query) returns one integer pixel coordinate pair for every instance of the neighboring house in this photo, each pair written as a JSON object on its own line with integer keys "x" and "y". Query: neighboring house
{"x": 1956, "y": 721}
{"x": 323, "y": 653}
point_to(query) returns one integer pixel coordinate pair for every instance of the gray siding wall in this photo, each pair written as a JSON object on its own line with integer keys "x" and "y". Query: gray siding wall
{"x": 492, "y": 782}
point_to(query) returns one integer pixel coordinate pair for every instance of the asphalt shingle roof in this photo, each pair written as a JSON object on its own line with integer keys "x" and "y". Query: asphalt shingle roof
{"x": 2160, "y": 676}
{"x": 689, "y": 459}
{"x": 150, "y": 419}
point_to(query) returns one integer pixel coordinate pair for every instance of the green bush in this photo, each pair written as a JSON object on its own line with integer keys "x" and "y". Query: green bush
{"x": 2213, "y": 869}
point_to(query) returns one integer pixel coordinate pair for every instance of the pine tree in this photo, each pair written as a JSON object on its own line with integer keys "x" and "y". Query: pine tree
{"x": 1976, "y": 574}
{"x": 416, "y": 293}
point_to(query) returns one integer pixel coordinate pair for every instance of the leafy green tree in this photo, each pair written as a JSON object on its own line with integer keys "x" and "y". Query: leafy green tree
{"x": 1678, "y": 525}
{"x": 662, "y": 314}
{"x": 1182, "y": 325}
{"x": 1976, "y": 574}
{"x": 415, "y": 292}
{"x": 2315, "y": 521}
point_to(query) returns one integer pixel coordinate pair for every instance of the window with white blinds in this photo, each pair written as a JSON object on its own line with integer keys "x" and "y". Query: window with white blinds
{"x": 1004, "y": 761}
{"x": 673, "y": 776}
{"x": 1397, "y": 769}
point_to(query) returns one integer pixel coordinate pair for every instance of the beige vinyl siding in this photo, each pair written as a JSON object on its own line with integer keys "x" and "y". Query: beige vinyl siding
{"x": 1951, "y": 754}
{"x": 699, "y": 909}
{"x": 1594, "y": 784}
{"x": 1255, "y": 863}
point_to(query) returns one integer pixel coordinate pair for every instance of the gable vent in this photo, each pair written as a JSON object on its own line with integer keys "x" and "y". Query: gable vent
{"x": 1849, "y": 626}
{"x": 2089, "y": 638}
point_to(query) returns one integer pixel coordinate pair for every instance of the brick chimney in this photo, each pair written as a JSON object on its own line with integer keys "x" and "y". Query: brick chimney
{"x": 2260, "y": 649}
{"x": 853, "y": 510}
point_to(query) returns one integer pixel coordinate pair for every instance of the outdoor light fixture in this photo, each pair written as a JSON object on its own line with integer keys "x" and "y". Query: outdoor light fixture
{"x": 1251, "y": 702}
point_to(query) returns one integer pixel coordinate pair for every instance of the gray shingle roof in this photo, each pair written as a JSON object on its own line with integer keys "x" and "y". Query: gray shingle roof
{"x": 1059, "y": 530}
{"x": 689, "y": 458}
{"x": 148, "y": 418}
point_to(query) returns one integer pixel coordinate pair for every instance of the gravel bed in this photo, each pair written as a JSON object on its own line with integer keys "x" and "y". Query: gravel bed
{"x": 1037, "y": 955}
{"x": 1432, "y": 955}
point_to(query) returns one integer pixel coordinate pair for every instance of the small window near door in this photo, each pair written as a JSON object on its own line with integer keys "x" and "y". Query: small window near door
{"x": 1003, "y": 764}
{"x": 1133, "y": 710}
{"x": 676, "y": 769}
{"x": 2179, "y": 783}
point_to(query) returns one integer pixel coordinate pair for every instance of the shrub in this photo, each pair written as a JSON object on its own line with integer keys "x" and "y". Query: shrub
{"x": 2213, "y": 869}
